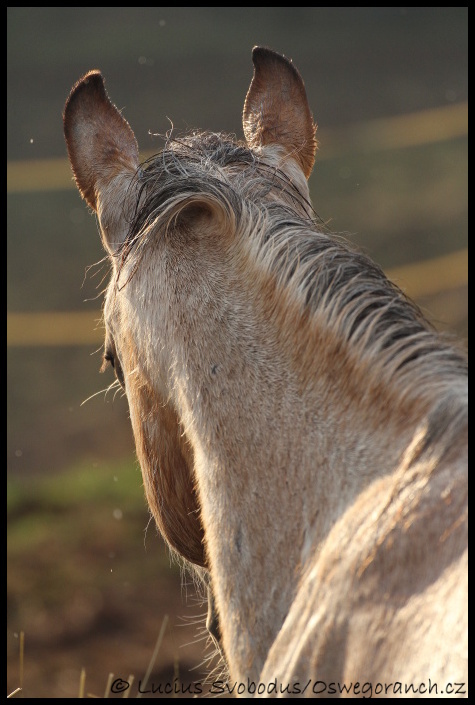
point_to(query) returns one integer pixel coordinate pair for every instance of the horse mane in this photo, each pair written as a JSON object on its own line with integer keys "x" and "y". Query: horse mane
{"x": 336, "y": 286}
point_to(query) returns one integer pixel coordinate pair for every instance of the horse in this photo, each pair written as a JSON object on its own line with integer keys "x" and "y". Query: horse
{"x": 300, "y": 426}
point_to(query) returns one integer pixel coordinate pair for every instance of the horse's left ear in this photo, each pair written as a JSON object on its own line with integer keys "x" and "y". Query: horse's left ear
{"x": 102, "y": 150}
{"x": 276, "y": 110}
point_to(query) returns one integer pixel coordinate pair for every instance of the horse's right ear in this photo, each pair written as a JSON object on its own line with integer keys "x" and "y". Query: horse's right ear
{"x": 101, "y": 144}
{"x": 276, "y": 110}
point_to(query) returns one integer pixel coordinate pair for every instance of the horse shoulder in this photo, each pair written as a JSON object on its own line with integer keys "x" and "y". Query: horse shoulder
{"x": 387, "y": 591}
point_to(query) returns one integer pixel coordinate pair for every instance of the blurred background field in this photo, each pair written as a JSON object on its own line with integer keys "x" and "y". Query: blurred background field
{"x": 89, "y": 581}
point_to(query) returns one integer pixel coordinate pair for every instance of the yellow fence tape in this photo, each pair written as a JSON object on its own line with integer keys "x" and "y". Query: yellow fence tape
{"x": 50, "y": 328}
{"x": 424, "y": 127}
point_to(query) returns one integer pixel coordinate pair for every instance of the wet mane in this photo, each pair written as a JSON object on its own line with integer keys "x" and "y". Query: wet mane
{"x": 332, "y": 280}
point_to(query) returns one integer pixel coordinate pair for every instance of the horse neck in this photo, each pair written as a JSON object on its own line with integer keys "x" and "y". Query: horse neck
{"x": 281, "y": 446}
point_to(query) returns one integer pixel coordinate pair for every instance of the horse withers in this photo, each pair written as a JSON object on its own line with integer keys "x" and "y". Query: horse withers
{"x": 301, "y": 428}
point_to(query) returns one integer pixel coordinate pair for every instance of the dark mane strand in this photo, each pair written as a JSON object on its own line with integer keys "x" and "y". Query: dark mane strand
{"x": 331, "y": 277}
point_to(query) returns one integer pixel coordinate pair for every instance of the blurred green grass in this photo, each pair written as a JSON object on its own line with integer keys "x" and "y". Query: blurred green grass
{"x": 91, "y": 513}
{"x": 85, "y": 565}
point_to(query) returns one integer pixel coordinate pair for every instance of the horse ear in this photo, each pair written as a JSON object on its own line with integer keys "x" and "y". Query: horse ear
{"x": 276, "y": 110}
{"x": 101, "y": 144}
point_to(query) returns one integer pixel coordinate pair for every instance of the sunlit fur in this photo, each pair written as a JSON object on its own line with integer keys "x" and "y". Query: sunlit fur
{"x": 302, "y": 430}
